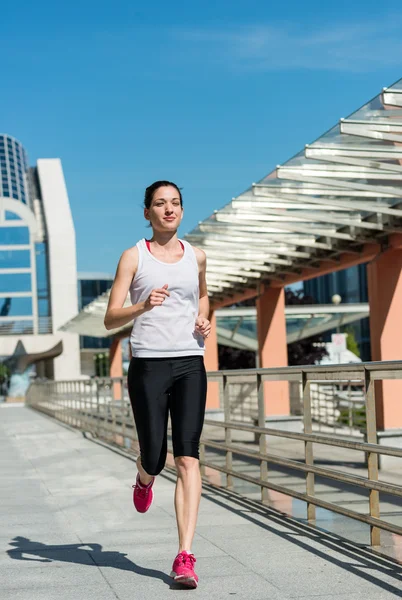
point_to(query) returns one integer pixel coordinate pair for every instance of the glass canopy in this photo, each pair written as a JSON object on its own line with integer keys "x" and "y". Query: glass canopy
{"x": 236, "y": 327}
{"x": 340, "y": 193}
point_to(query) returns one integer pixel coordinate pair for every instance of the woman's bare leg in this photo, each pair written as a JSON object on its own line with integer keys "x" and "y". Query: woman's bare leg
{"x": 187, "y": 499}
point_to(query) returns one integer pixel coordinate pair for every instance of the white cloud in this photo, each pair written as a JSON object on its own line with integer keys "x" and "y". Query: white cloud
{"x": 352, "y": 47}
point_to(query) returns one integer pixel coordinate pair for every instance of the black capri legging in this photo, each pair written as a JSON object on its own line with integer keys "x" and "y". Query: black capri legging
{"x": 157, "y": 386}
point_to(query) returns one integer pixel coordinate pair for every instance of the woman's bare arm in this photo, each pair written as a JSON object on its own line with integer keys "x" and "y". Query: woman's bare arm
{"x": 116, "y": 315}
{"x": 202, "y": 324}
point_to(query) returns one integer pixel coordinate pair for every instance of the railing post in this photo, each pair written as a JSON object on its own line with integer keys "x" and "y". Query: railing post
{"x": 71, "y": 399}
{"x": 372, "y": 457}
{"x": 77, "y": 392}
{"x": 98, "y": 418}
{"x": 228, "y": 431}
{"x": 113, "y": 406}
{"x": 62, "y": 392}
{"x": 123, "y": 412}
{"x": 202, "y": 459}
{"x": 80, "y": 404}
{"x": 351, "y": 407}
{"x": 262, "y": 437}
{"x": 308, "y": 446}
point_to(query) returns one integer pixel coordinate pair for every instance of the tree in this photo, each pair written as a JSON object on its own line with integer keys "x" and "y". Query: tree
{"x": 351, "y": 342}
{"x": 233, "y": 358}
{"x": 4, "y": 372}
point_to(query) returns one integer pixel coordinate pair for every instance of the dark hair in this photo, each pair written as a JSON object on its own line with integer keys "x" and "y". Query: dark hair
{"x": 149, "y": 192}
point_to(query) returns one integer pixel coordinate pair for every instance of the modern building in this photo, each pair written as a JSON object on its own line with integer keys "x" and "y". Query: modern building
{"x": 90, "y": 286}
{"x": 38, "y": 271}
{"x": 351, "y": 285}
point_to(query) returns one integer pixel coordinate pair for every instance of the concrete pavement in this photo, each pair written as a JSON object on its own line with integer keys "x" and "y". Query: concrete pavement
{"x": 69, "y": 531}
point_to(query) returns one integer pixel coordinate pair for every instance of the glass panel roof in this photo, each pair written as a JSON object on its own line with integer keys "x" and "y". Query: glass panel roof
{"x": 341, "y": 193}
{"x": 240, "y": 329}
{"x": 236, "y": 326}
{"x": 368, "y": 111}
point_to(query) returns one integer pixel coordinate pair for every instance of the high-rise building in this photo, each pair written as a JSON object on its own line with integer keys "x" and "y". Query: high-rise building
{"x": 38, "y": 271}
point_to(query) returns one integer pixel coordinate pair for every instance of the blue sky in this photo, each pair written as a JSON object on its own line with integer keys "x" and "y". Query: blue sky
{"x": 209, "y": 95}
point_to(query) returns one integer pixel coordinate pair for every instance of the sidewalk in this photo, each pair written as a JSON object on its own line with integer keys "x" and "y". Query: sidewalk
{"x": 69, "y": 531}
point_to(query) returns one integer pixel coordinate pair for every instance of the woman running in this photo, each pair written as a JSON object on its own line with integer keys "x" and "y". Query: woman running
{"x": 170, "y": 309}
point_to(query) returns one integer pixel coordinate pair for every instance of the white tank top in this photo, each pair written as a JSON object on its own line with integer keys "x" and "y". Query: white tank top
{"x": 167, "y": 330}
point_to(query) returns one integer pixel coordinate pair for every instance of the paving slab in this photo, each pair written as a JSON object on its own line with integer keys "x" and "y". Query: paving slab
{"x": 68, "y": 530}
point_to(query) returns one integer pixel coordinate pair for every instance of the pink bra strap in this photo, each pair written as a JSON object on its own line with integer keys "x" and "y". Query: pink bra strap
{"x": 148, "y": 243}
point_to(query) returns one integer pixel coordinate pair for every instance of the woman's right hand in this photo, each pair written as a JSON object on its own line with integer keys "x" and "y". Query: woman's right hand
{"x": 157, "y": 297}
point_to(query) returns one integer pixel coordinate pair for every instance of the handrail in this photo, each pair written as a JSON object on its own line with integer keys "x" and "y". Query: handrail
{"x": 388, "y": 488}
{"x": 101, "y": 406}
{"x": 308, "y": 437}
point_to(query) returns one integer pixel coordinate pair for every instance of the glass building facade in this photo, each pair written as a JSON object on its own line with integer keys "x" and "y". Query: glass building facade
{"x": 14, "y": 168}
{"x": 351, "y": 285}
{"x": 24, "y": 278}
{"x": 90, "y": 286}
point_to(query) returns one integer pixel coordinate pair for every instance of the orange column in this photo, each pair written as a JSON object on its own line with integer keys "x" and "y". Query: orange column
{"x": 272, "y": 347}
{"x": 385, "y": 297}
{"x": 212, "y": 363}
{"x": 116, "y": 366}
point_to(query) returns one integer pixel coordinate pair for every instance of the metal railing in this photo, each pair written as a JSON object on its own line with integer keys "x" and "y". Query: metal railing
{"x": 102, "y": 407}
{"x": 338, "y": 406}
{"x": 335, "y": 408}
{"x": 8, "y": 326}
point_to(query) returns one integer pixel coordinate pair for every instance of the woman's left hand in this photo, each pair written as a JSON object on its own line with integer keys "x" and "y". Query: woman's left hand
{"x": 203, "y": 326}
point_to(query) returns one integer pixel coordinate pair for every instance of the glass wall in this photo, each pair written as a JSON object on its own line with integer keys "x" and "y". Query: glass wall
{"x": 15, "y": 259}
{"x": 88, "y": 290}
{"x": 15, "y": 307}
{"x": 42, "y": 280}
{"x": 13, "y": 166}
{"x": 16, "y": 286}
{"x": 11, "y": 283}
{"x": 17, "y": 279}
{"x": 351, "y": 285}
{"x": 11, "y": 236}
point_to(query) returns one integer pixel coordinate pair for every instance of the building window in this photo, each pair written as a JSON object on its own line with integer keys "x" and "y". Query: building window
{"x": 14, "y": 235}
{"x": 15, "y": 259}
{"x": 12, "y": 216}
{"x": 42, "y": 280}
{"x": 92, "y": 343}
{"x": 19, "y": 327}
{"x": 15, "y": 307}
{"x": 89, "y": 289}
{"x": 15, "y": 282}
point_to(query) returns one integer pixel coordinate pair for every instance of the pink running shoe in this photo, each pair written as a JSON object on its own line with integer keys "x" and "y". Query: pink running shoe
{"x": 183, "y": 569}
{"x": 142, "y": 495}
